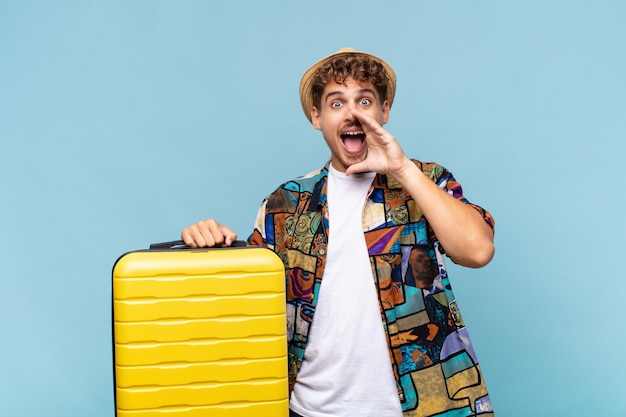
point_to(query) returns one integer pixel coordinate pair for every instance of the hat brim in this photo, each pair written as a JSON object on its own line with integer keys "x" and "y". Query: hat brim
{"x": 306, "y": 83}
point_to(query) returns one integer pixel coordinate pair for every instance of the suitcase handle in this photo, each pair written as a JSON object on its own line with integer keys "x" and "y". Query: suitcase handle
{"x": 179, "y": 244}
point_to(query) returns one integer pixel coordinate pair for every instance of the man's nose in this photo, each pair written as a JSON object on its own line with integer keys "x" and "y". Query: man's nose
{"x": 349, "y": 117}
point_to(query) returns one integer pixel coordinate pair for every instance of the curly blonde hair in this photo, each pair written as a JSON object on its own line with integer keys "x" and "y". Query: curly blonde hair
{"x": 360, "y": 67}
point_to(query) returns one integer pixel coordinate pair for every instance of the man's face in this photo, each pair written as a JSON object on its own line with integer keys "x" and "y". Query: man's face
{"x": 341, "y": 129}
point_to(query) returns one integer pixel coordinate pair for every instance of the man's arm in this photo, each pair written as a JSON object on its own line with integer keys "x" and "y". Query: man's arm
{"x": 466, "y": 237}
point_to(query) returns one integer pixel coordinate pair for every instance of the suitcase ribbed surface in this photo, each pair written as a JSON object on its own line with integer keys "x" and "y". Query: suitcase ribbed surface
{"x": 200, "y": 333}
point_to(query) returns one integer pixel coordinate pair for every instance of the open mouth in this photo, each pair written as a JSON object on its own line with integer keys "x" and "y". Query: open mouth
{"x": 353, "y": 142}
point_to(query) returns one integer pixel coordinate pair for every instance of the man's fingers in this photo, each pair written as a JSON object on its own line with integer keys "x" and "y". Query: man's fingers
{"x": 207, "y": 233}
{"x": 229, "y": 235}
{"x": 356, "y": 168}
{"x": 366, "y": 120}
{"x": 189, "y": 237}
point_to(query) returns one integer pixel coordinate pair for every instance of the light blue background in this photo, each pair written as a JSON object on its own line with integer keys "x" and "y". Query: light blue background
{"x": 123, "y": 121}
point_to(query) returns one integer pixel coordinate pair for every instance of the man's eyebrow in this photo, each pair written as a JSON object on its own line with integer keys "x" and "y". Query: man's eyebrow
{"x": 367, "y": 90}
{"x": 331, "y": 94}
{"x": 340, "y": 93}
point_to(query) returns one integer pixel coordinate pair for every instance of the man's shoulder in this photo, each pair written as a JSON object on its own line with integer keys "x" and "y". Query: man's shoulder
{"x": 309, "y": 187}
{"x": 317, "y": 173}
{"x": 432, "y": 170}
{"x": 305, "y": 183}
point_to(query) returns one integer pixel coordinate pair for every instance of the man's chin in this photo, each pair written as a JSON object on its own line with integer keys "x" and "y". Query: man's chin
{"x": 355, "y": 159}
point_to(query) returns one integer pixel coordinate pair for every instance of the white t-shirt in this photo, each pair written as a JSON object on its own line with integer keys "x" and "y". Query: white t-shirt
{"x": 346, "y": 369}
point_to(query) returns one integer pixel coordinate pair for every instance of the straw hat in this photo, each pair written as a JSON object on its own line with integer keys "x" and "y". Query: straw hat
{"x": 306, "y": 83}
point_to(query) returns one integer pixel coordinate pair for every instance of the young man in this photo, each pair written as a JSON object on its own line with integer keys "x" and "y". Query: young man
{"x": 373, "y": 326}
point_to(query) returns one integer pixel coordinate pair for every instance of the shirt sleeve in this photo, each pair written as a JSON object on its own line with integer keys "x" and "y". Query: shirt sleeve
{"x": 446, "y": 181}
{"x": 258, "y": 235}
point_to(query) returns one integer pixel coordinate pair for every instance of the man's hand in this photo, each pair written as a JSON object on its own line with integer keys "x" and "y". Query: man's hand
{"x": 208, "y": 233}
{"x": 464, "y": 234}
{"x": 384, "y": 154}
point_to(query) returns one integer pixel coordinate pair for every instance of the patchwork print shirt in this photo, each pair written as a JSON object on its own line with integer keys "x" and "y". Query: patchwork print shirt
{"x": 433, "y": 361}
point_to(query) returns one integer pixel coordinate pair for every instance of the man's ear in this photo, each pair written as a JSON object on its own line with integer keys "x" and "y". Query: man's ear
{"x": 315, "y": 118}
{"x": 385, "y": 110}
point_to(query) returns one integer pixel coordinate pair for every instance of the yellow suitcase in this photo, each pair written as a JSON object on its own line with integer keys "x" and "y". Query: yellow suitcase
{"x": 200, "y": 332}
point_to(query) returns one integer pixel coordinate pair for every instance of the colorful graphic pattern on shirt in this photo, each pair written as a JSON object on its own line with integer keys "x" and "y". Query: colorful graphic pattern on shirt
{"x": 435, "y": 366}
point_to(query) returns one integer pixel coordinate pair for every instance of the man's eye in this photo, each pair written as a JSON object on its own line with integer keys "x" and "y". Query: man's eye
{"x": 335, "y": 104}
{"x": 365, "y": 101}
